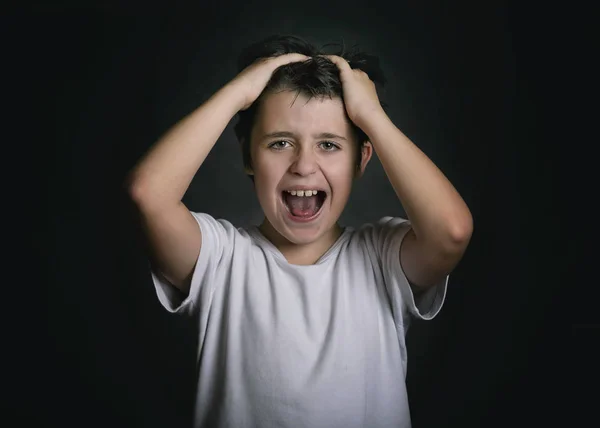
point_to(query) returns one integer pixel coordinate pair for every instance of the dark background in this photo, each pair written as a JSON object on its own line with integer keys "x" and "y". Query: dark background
{"x": 108, "y": 78}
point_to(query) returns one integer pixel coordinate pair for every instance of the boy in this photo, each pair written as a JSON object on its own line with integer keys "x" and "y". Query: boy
{"x": 302, "y": 321}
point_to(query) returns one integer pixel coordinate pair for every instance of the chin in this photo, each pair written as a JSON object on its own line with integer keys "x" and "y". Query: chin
{"x": 300, "y": 237}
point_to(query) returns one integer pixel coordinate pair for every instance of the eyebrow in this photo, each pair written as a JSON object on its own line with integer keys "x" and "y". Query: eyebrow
{"x": 287, "y": 134}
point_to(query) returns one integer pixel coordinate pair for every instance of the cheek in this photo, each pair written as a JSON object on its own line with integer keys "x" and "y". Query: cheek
{"x": 268, "y": 172}
{"x": 270, "y": 166}
{"x": 340, "y": 177}
{"x": 342, "y": 170}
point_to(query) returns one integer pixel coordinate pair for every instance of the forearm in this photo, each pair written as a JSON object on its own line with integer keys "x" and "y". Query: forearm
{"x": 437, "y": 212}
{"x": 164, "y": 174}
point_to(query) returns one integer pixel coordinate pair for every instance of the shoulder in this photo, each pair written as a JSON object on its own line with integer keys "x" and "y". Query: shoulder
{"x": 220, "y": 230}
{"x": 377, "y": 230}
{"x": 377, "y": 237}
{"x": 203, "y": 217}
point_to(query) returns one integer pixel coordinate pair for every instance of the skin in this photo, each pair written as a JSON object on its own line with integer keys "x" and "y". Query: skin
{"x": 158, "y": 182}
{"x": 299, "y": 155}
{"x": 441, "y": 221}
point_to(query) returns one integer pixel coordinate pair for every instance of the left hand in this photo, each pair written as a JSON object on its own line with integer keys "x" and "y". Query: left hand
{"x": 360, "y": 94}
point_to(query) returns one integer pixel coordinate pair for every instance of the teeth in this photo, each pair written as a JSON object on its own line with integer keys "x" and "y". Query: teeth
{"x": 302, "y": 192}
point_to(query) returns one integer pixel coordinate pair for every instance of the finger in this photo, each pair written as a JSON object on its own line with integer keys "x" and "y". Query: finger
{"x": 340, "y": 62}
{"x": 284, "y": 59}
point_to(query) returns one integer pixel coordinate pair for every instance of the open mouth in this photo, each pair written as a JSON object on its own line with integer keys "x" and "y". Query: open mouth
{"x": 303, "y": 205}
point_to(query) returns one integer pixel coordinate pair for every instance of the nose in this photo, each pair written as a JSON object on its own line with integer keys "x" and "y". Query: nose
{"x": 305, "y": 163}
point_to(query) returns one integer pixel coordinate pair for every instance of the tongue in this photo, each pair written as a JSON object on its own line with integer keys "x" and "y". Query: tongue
{"x": 302, "y": 206}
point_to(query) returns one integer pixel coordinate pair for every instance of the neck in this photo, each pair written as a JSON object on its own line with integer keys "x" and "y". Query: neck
{"x": 301, "y": 254}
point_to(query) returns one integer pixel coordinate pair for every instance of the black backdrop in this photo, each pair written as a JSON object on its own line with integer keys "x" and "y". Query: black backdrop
{"x": 109, "y": 78}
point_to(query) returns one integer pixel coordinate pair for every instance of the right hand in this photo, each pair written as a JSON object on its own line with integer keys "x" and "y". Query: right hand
{"x": 253, "y": 79}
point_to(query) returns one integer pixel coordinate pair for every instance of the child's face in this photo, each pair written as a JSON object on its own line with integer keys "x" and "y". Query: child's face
{"x": 300, "y": 144}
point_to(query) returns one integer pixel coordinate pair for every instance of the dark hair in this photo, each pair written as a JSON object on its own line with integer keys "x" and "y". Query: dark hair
{"x": 316, "y": 78}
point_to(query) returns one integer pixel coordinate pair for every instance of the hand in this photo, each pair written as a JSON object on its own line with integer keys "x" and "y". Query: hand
{"x": 360, "y": 95}
{"x": 253, "y": 79}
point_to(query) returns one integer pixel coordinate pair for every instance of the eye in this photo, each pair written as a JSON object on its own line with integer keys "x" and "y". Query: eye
{"x": 328, "y": 146}
{"x": 279, "y": 145}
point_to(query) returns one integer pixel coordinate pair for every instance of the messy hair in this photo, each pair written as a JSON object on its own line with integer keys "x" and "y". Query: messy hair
{"x": 318, "y": 78}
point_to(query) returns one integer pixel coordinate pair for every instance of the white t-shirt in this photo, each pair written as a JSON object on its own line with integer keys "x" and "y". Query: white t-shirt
{"x": 285, "y": 345}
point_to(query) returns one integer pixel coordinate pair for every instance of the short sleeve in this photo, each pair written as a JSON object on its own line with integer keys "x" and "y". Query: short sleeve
{"x": 391, "y": 232}
{"x": 216, "y": 250}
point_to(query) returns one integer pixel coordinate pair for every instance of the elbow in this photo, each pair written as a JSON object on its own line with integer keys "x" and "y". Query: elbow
{"x": 454, "y": 233}
{"x": 137, "y": 190}
{"x": 450, "y": 240}
{"x": 460, "y": 232}
{"x": 147, "y": 195}
{"x": 133, "y": 186}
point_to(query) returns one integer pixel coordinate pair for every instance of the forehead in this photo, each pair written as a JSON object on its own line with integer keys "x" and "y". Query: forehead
{"x": 293, "y": 112}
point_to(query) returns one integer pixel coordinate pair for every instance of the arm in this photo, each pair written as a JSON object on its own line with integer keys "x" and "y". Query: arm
{"x": 159, "y": 181}
{"x": 441, "y": 221}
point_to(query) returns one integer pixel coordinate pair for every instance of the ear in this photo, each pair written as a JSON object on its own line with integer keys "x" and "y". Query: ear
{"x": 367, "y": 152}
